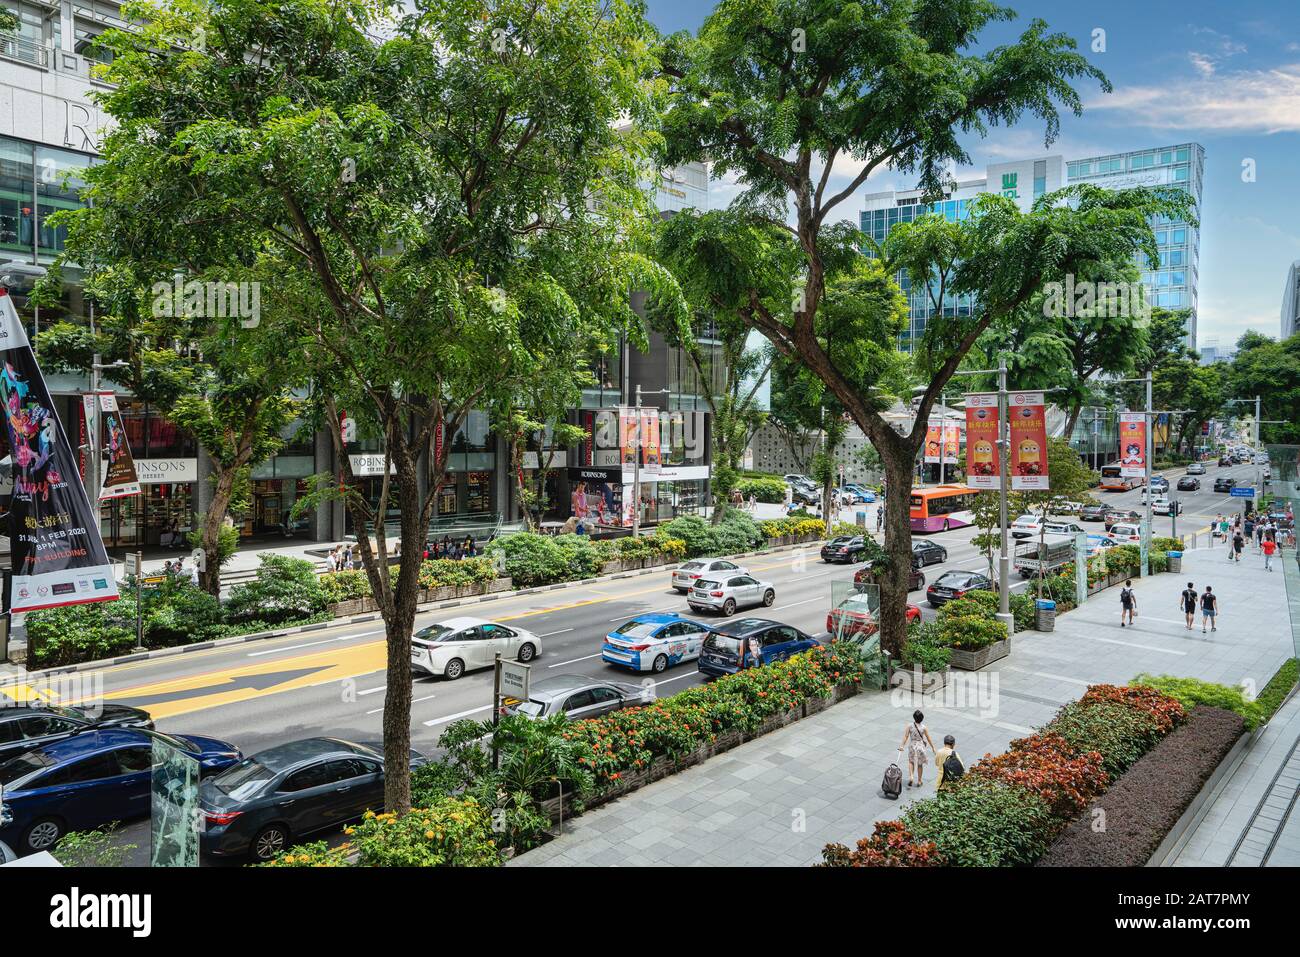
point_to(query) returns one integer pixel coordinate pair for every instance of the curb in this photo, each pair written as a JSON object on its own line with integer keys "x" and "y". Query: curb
{"x": 370, "y": 616}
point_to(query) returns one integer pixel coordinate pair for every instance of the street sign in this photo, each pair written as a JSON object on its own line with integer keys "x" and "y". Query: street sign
{"x": 132, "y": 563}
{"x": 154, "y": 579}
{"x": 514, "y": 680}
{"x": 1243, "y": 492}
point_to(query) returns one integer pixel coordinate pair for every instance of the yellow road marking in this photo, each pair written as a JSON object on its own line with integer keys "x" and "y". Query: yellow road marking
{"x": 26, "y": 694}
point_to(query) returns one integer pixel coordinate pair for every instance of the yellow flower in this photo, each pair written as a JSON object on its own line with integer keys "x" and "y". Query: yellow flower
{"x": 429, "y": 835}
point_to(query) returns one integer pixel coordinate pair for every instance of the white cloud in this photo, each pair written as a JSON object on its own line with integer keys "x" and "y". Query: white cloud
{"x": 1240, "y": 101}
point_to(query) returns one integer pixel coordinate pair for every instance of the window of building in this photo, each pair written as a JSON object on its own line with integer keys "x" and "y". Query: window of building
{"x": 1180, "y": 174}
{"x": 1183, "y": 155}
{"x": 1178, "y": 236}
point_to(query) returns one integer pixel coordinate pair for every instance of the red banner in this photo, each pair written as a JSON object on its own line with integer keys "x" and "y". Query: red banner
{"x": 1028, "y": 437}
{"x": 982, "y": 440}
{"x": 1133, "y": 444}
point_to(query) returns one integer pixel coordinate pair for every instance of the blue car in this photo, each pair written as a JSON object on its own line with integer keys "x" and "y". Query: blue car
{"x": 750, "y": 643}
{"x": 87, "y": 781}
{"x": 861, "y": 493}
{"x": 654, "y": 641}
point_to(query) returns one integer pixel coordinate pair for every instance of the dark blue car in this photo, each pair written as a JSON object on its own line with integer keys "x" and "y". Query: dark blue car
{"x": 749, "y": 643}
{"x": 88, "y": 780}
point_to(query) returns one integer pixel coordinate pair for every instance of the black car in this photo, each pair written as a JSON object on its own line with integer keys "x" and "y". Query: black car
{"x": 1225, "y": 459}
{"x": 844, "y": 548}
{"x": 928, "y": 553}
{"x": 260, "y": 805}
{"x": 1224, "y": 484}
{"x": 26, "y": 727}
{"x": 1189, "y": 483}
{"x": 956, "y": 584}
{"x": 868, "y": 576}
{"x": 1093, "y": 513}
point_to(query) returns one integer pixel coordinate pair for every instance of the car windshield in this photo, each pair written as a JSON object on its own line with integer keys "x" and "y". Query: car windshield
{"x": 953, "y": 579}
{"x": 534, "y": 709}
{"x": 703, "y": 585}
{"x": 690, "y": 566}
{"x": 636, "y": 629}
{"x": 722, "y": 645}
{"x": 244, "y": 779}
{"x": 24, "y": 765}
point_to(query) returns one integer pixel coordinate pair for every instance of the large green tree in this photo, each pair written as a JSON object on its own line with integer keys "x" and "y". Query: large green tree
{"x": 1269, "y": 369}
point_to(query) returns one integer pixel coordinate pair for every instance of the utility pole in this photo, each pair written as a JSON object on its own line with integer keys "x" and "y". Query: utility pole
{"x": 1004, "y": 461}
{"x": 943, "y": 433}
{"x": 1254, "y": 499}
{"x": 1150, "y": 439}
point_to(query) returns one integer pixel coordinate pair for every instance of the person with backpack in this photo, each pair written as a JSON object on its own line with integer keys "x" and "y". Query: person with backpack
{"x": 1127, "y": 603}
{"x": 1188, "y": 603}
{"x": 949, "y": 763}
{"x": 1238, "y": 543}
{"x": 1209, "y": 609}
{"x": 916, "y": 738}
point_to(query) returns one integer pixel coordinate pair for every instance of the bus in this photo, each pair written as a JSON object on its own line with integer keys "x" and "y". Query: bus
{"x": 1113, "y": 481}
{"x": 942, "y": 507}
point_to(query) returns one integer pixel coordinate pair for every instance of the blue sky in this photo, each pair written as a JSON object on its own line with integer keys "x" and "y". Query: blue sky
{"x": 1226, "y": 75}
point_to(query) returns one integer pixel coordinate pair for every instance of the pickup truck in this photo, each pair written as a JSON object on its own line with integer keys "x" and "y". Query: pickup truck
{"x": 1053, "y": 552}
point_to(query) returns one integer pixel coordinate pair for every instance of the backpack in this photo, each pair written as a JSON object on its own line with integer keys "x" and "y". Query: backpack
{"x": 892, "y": 786}
{"x": 952, "y": 768}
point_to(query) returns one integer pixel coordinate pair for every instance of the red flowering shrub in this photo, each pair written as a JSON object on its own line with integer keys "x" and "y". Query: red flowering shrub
{"x": 1166, "y": 710}
{"x": 890, "y": 845}
{"x": 1047, "y": 765}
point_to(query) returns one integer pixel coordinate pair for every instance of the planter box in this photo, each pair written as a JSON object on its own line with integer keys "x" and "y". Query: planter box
{"x": 915, "y": 681}
{"x": 964, "y": 660}
{"x": 355, "y": 606}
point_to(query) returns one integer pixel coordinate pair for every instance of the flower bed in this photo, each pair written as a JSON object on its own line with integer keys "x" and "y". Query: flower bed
{"x": 1149, "y": 799}
{"x": 1007, "y": 809}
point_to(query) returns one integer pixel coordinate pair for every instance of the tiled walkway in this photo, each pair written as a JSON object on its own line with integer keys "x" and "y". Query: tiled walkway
{"x": 779, "y": 799}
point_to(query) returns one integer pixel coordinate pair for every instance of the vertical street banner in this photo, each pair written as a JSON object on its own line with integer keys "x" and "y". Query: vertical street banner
{"x": 650, "y": 457}
{"x": 628, "y": 440}
{"x": 120, "y": 478}
{"x": 951, "y": 442}
{"x": 1133, "y": 444}
{"x": 58, "y": 554}
{"x": 933, "y": 442}
{"x": 982, "y": 440}
{"x": 1028, "y": 437}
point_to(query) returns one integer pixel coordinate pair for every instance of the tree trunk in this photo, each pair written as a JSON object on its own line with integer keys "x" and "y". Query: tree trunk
{"x": 521, "y": 486}
{"x": 222, "y": 491}
{"x": 1071, "y": 420}
{"x": 898, "y": 459}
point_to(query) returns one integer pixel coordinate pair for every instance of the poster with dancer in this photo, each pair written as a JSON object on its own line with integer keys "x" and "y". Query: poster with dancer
{"x": 58, "y": 554}
{"x": 120, "y": 478}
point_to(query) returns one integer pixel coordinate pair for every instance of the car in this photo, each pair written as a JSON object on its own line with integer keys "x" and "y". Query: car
{"x": 87, "y": 780}
{"x": 1196, "y": 468}
{"x": 928, "y": 553}
{"x": 451, "y": 648}
{"x": 794, "y": 478}
{"x": 1224, "y": 484}
{"x": 1160, "y": 483}
{"x": 956, "y": 584}
{"x": 1261, "y": 458}
{"x": 1063, "y": 506}
{"x": 1098, "y": 544}
{"x": 865, "y": 494}
{"x": 1161, "y": 505}
{"x": 868, "y": 575}
{"x": 748, "y": 643}
{"x": 578, "y": 697}
{"x": 686, "y": 574}
{"x": 1062, "y": 528}
{"x": 653, "y": 642}
{"x": 1093, "y": 513}
{"x": 803, "y": 496}
{"x": 1266, "y": 472}
{"x": 1189, "y": 483}
{"x": 856, "y": 616}
{"x": 1114, "y": 515}
{"x": 1025, "y": 525}
{"x": 1225, "y": 459}
{"x": 259, "y": 805}
{"x": 1126, "y": 533}
{"x": 844, "y": 548}
{"x": 27, "y": 726}
{"x": 726, "y": 593}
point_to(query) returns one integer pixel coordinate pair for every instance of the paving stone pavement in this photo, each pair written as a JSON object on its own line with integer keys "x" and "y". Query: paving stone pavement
{"x": 779, "y": 799}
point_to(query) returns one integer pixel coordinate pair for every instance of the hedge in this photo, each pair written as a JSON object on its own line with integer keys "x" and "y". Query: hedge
{"x": 1193, "y": 691}
{"x": 1144, "y": 805}
{"x": 768, "y": 490}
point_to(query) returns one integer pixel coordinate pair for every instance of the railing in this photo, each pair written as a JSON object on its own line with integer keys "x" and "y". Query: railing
{"x": 26, "y": 51}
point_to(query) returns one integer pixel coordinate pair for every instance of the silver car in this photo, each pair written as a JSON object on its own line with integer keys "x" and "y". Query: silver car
{"x": 578, "y": 697}
{"x": 458, "y": 645}
{"x": 685, "y": 577}
{"x": 726, "y": 593}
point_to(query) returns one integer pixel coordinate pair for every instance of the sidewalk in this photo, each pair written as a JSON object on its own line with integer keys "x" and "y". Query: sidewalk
{"x": 778, "y": 800}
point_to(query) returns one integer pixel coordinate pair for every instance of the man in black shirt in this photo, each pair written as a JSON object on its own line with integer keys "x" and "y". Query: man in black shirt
{"x": 1127, "y": 603}
{"x": 1188, "y": 601}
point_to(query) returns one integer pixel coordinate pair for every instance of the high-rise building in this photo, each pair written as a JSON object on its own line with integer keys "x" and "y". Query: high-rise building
{"x": 1291, "y": 302}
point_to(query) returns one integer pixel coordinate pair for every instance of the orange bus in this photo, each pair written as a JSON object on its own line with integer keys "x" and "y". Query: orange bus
{"x": 1113, "y": 481}
{"x": 942, "y": 507}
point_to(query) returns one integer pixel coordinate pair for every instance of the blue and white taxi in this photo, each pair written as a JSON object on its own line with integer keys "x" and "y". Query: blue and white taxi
{"x": 653, "y": 642}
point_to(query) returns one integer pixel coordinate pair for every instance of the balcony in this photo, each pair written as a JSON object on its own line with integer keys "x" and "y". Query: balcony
{"x": 22, "y": 50}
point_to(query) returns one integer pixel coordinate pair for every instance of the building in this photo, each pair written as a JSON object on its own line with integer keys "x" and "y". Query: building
{"x": 1211, "y": 352}
{"x": 1291, "y": 301}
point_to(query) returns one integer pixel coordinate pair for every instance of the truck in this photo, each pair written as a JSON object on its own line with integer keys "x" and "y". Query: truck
{"x": 1044, "y": 556}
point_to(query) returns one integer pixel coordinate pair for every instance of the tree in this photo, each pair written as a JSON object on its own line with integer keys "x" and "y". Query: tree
{"x": 1269, "y": 369}
{"x": 445, "y": 193}
{"x": 778, "y": 105}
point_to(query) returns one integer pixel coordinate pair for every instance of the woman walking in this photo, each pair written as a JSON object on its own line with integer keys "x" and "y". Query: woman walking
{"x": 916, "y": 738}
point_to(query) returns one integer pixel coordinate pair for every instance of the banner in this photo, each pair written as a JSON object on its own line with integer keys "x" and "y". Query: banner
{"x": 628, "y": 440}
{"x": 951, "y": 442}
{"x": 982, "y": 440}
{"x": 1133, "y": 444}
{"x": 1028, "y": 436}
{"x": 58, "y": 555}
{"x": 120, "y": 478}
{"x": 933, "y": 442}
{"x": 650, "y": 458}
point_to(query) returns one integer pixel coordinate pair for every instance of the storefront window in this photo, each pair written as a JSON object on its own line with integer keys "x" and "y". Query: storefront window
{"x": 58, "y": 187}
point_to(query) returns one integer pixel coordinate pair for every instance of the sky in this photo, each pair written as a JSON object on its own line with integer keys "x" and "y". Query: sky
{"x": 1225, "y": 75}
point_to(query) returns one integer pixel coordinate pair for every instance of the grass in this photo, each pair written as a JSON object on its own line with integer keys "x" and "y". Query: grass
{"x": 1270, "y": 699}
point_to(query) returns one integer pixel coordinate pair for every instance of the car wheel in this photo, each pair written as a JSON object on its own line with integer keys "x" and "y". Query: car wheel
{"x": 729, "y": 607}
{"x": 42, "y": 835}
{"x": 270, "y": 841}
{"x": 943, "y": 555}
{"x": 660, "y": 664}
{"x": 454, "y": 669}
{"x": 769, "y": 596}
{"x": 527, "y": 653}
{"x": 922, "y": 582}
{"x": 945, "y": 525}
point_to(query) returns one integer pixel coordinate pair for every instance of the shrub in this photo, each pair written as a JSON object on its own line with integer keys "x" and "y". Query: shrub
{"x": 692, "y": 530}
{"x": 1192, "y": 691}
{"x": 890, "y": 845}
{"x": 1270, "y": 699}
{"x": 315, "y": 854}
{"x": 1121, "y": 734}
{"x": 769, "y": 490}
{"x": 971, "y": 632}
{"x": 924, "y": 647}
{"x": 286, "y": 589}
{"x": 179, "y": 613}
{"x": 452, "y": 832}
{"x": 101, "y": 847}
{"x": 344, "y": 586}
{"x": 1048, "y": 766}
{"x": 737, "y": 532}
{"x": 975, "y": 604}
{"x": 1162, "y": 543}
{"x": 530, "y": 559}
{"x": 669, "y": 548}
{"x": 582, "y": 558}
{"x": 76, "y": 633}
{"x": 1023, "y": 611}
{"x": 982, "y": 823}
{"x": 1162, "y": 708}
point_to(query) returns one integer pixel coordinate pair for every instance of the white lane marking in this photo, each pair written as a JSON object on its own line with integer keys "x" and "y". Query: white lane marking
{"x": 1133, "y": 644}
{"x": 549, "y": 633}
{"x": 793, "y": 603}
{"x": 689, "y": 674}
{"x": 574, "y": 661}
{"x": 373, "y": 690}
{"x": 413, "y": 701}
{"x": 458, "y": 714}
{"x": 312, "y": 644}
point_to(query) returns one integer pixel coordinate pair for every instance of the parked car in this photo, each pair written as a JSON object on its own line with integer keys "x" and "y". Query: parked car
{"x": 653, "y": 642}
{"x": 270, "y": 799}
{"x": 1121, "y": 515}
{"x": 578, "y": 697}
{"x": 726, "y": 593}
{"x": 856, "y": 617}
{"x": 1025, "y": 525}
{"x": 27, "y": 726}
{"x": 865, "y": 494}
{"x": 956, "y": 584}
{"x": 1189, "y": 483}
{"x": 794, "y": 478}
{"x": 844, "y": 548}
{"x": 686, "y": 574}
{"x": 748, "y": 643}
{"x": 803, "y": 496}
{"x": 1224, "y": 484}
{"x": 1093, "y": 513}
{"x": 1266, "y": 472}
{"x": 868, "y": 575}
{"x": 928, "y": 552}
{"x": 1063, "y": 506}
{"x": 1098, "y": 544}
{"x": 1043, "y": 556}
{"x": 88, "y": 780}
{"x": 1196, "y": 468}
{"x": 457, "y": 645}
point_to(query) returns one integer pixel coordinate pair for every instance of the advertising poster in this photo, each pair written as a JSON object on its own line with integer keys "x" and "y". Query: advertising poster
{"x": 951, "y": 442}
{"x": 650, "y": 459}
{"x": 933, "y": 442}
{"x": 1028, "y": 436}
{"x": 596, "y": 496}
{"x": 120, "y": 479}
{"x": 629, "y": 439}
{"x": 1133, "y": 444}
{"x": 982, "y": 440}
{"x": 58, "y": 554}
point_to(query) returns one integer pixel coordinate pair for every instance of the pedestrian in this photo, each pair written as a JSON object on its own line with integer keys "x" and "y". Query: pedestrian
{"x": 1127, "y": 603}
{"x": 1268, "y": 547}
{"x": 472, "y": 550}
{"x": 1238, "y": 543}
{"x": 753, "y": 503}
{"x": 1188, "y": 601}
{"x": 916, "y": 738}
{"x": 788, "y": 497}
{"x": 1209, "y": 609}
{"x": 1249, "y": 527}
{"x": 1260, "y": 529}
{"x": 880, "y": 517}
{"x": 194, "y": 575}
{"x": 949, "y": 762}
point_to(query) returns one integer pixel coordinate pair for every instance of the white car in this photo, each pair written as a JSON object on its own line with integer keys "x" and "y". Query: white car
{"x": 1063, "y": 528}
{"x": 1025, "y": 526}
{"x": 1160, "y": 505}
{"x": 726, "y": 593}
{"x": 685, "y": 576}
{"x": 1125, "y": 534}
{"x": 457, "y": 645}
{"x": 1063, "y": 506}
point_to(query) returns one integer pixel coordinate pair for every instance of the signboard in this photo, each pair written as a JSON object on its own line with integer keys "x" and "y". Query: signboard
{"x": 650, "y": 458}
{"x": 174, "y": 812}
{"x": 1133, "y": 444}
{"x": 1081, "y": 567}
{"x": 367, "y": 465}
{"x": 166, "y": 471}
{"x": 628, "y": 441}
{"x": 1027, "y": 428}
{"x": 552, "y": 459}
{"x": 982, "y": 440}
{"x": 120, "y": 479}
{"x": 514, "y": 679}
{"x": 131, "y": 563}
{"x": 1242, "y": 491}
{"x": 58, "y": 554}
{"x": 951, "y": 442}
{"x": 1144, "y": 545}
